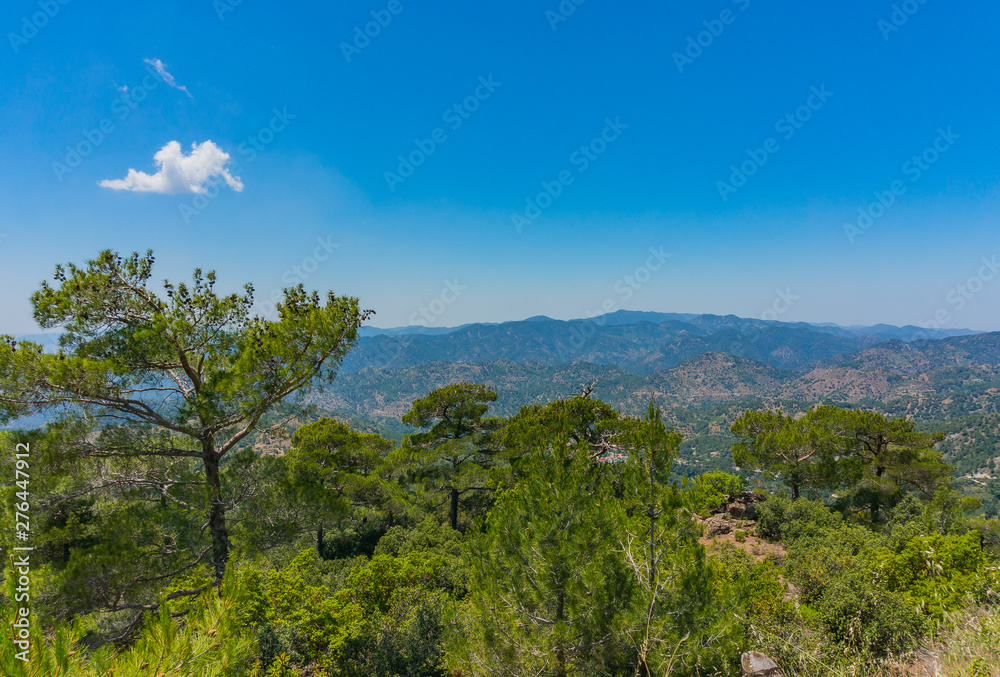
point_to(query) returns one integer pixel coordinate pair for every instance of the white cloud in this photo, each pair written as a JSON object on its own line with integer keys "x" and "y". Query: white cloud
{"x": 161, "y": 68}
{"x": 179, "y": 173}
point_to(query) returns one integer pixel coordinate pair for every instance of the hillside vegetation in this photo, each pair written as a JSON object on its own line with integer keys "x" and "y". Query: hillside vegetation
{"x": 193, "y": 512}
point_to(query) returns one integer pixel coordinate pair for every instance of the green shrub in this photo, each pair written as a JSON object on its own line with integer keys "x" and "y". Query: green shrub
{"x": 779, "y": 518}
{"x": 815, "y": 561}
{"x": 407, "y": 640}
{"x": 858, "y": 612}
{"x": 937, "y": 572}
{"x": 759, "y": 592}
{"x": 284, "y": 639}
{"x": 712, "y": 490}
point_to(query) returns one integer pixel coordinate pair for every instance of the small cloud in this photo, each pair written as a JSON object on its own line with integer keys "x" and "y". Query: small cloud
{"x": 123, "y": 89}
{"x": 179, "y": 173}
{"x": 161, "y": 69}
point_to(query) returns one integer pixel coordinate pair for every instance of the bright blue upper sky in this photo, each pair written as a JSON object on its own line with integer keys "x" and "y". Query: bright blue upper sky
{"x": 772, "y": 245}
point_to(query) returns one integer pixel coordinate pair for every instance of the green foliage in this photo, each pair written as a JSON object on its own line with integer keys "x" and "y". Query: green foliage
{"x": 450, "y": 456}
{"x": 673, "y": 621}
{"x": 796, "y": 451}
{"x": 713, "y": 490}
{"x": 779, "y": 518}
{"x": 169, "y": 383}
{"x": 452, "y": 412}
{"x": 946, "y": 512}
{"x": 428, "y": 536}
{"x": 858, "y": 612}
{"x": 406, "y": 641}
{"x": 563, "y": 549}
{"x": 885, "y": 457}
{"x": 821, "y": 556}
{"x": 936, "y": 572}
{"x": 547, "y": 588}
{"x": 332, "y": 468}
{"x": 207, "y": 641}
{"x": 757, "y": 590}
{"x": 387, "y": 616}
{"x": 594, "y": 426}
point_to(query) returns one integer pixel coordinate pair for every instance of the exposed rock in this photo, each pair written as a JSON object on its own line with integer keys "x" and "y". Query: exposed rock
{"x": 744, "y": 506}
{"x": 758, "y": 665}
{"x": 716, "y": 525}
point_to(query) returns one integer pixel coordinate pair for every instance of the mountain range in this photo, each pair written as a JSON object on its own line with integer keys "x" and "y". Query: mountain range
{"x": 638, "y": 342}
{"x": 703, "y": 369}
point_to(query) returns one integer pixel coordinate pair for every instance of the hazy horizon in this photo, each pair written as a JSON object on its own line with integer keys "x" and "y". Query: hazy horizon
{"x": 442, "y": 327}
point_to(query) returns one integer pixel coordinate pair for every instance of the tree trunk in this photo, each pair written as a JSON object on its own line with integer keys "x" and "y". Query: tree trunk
{"x": 652, "y": 541}
{"x": 560, "y": 650}
{"x": 876, "y": 500}
{"x": 216, "y": 513}
{"x": 795, "y": 490}
{"x": 652, "y": 526}
{"x": 453, "y": 512}
{"x": 319, "y": 541}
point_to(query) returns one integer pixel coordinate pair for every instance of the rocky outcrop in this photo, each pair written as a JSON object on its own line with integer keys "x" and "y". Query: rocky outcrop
{"x": 744, "y": 506}
{"x": 718, "y": 525}
{"x": 758, "y": 665}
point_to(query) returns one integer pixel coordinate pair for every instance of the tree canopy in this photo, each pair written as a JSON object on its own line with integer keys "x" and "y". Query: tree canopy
{"x": 451, "y": 452}
{"x": 184, "y": 374}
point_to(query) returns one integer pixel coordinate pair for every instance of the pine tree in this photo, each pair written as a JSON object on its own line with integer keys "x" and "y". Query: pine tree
{"x": 450, "y": 454}
{"x": 674, "y": 612}
{"x": 182, "y": 379}
{"x": 548, "y": 588}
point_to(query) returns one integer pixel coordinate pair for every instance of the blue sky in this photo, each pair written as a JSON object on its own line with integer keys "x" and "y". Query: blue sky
{"x": 633, "y": 116}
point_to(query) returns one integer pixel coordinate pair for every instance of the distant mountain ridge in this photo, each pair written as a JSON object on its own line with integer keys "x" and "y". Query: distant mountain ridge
{"x": 944, "y": 378}
{"x": 639, "y": 342}
{"x": 636, "y": 316}
{"x": 703, "y": 369}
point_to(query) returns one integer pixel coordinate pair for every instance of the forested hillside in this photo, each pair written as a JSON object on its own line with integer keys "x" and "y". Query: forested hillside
{"x": 206, "y": 492}
{"x": 951, "y": 383}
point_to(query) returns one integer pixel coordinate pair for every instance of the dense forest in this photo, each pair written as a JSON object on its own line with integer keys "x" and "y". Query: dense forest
{"x": 193, "y": 512}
